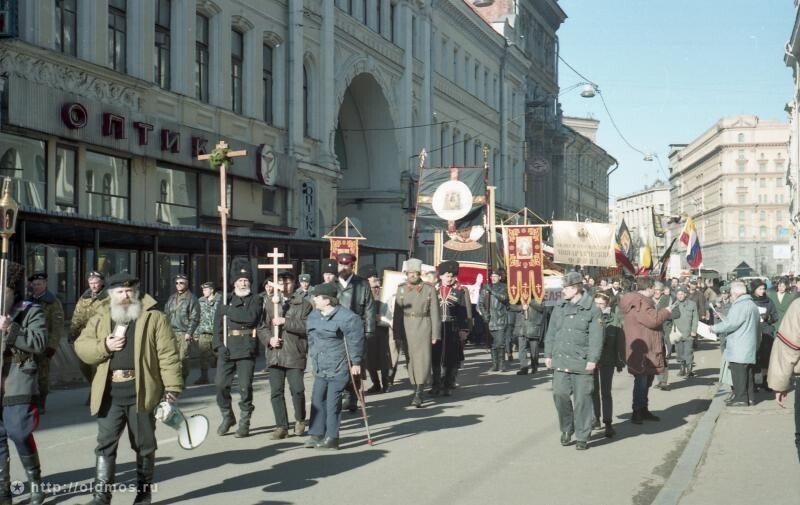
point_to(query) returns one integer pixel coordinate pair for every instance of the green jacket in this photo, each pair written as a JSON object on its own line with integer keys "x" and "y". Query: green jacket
{"x": 574, "y": 336}
{"x": 208, "y": 309}
{"x": 183, "y": 312}
{"x": 157, "y": 365}
{"x": 54, "y": 315}
{"x": 84, "y": 310}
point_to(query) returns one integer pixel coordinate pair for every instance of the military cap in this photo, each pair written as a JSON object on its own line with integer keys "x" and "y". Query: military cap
{"x": 304, "y": 278}
{"x": 242, "y": 273}
{"x": 329, "y": 266}
{"x": 208, "y": 284}
{"x": 499, "y": 271}
{"x": 328, "y": 289}
{"x": 181, "y": 277}
{"x": 680, "y": 289}
{"x": 448, "y": 266}
{"x": 367, "y": 271}
{"x": 573, "y": 279}
{"x": 413, "y": 265}
{"x": 286, "y": 274}
{"x": 345, "y": 258}
{"x": 37, "y": 275}
{"x": 122, "y": 280}
{"x": 95, "y": 273}
{"x": 725, "y": 289}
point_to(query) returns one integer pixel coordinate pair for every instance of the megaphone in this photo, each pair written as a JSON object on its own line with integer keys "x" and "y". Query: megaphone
{"x": 192, "y": 431}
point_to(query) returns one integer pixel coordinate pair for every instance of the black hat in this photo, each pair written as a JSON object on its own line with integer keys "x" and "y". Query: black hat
{"x": 367, "y": 271}
{"x": 328, "y": 289}
{"x": 329, "y": 266}
{"x": 37, "y": 275}
{"x": 95, "y": 273}
{"x": 241, "y": 273}
{"x": 181, "y": 277}
{"x": 209, "y": 285}
{"x": 286, "y": 274}
{"x": 448, "y": 266}
{"x": 122, "y": 280}
{"x": 345, "y": 258}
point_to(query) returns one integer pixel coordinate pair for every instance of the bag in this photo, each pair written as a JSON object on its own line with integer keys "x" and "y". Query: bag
{"x": 675, "y": 335}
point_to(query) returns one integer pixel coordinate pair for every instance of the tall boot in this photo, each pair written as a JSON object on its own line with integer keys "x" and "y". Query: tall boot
{"x": 436, "y": 385}
{"x": 244, "y": 424}
{"x": 145, "y": 465}
{"x": 106, "y": 469}
{"x": 5, "y": 482}
{"x": 449, "y": 380}
{"x": 495, "y": 361}
{"x": 416, "y": 401}
{"x": 386, "y": 381}
{"x": 33, "y": 469}
{"x": 228, "y": 420}
{"x": 376, "y": 382}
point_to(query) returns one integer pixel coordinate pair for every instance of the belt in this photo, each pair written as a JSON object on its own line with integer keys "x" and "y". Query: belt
{"x": 417, "y": 315}
{"x": 123, "y": 375}
{"x": 241, "y": 333}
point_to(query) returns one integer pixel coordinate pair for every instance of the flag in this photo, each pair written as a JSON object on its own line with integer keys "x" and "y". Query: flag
{"x": 624, "y": 240}
{"x": 623, "y": 260}
{"x": 663, "y": 261}
{"x": 646, "y": 258}
{"x": 694, "y": 254}
{"x": 658, "y": 225}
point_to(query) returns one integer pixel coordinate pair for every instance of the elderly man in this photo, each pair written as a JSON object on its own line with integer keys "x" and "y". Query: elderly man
{"x": 88, "y": 304}
{"x": 183, "y": 312}
{"x": 417, "y": 321}
{"x": 784, "y": 363}
{"x": 572, "y": 348}
{"x": 741, "y": 329}
{"x": 54, "y": 315}
{"x": 136, "y": 355}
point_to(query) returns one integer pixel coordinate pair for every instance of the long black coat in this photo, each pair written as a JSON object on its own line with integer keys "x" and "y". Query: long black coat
{"x": 243, "y": 315}
{"x": 357, "y": 297}
{"x": 294, "y": 349}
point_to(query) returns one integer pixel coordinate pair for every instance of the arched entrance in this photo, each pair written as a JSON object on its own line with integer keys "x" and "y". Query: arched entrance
{"x": 368, "y": 153}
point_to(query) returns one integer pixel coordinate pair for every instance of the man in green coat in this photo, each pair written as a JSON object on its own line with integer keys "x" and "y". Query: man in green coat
{"x": 136, "y": 355}
{"x": 572, "y": 349}
{"x": 54, "y": 314}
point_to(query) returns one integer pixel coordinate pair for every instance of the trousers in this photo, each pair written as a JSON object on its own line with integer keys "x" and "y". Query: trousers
{"x": 326, "y": 406}
{"x": 117, "y": 413}
{"x": 278, "y": 376}
{"x": 641, "y": 390}
{"x": 577, "y": 419}
{"x": 684, "y": 351}
{"x": 601, "y": 394}
{"x": 243, "y": 369}
{"x": 528, "y": 346}
{"x": 18, "y": 422}
{"x": 743, "y": 383}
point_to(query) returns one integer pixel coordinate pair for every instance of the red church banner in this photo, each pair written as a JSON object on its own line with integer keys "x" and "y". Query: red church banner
{"x": 341, "y": 245}
{"x": 524, "y": 263}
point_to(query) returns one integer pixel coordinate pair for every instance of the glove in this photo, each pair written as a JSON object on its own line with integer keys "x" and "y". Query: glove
{"x": 49, "y": 352}
{"x": 171, "y": 396}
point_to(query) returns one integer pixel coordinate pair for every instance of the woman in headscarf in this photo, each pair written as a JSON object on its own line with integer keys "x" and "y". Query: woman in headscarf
{"x": 769, "y": 318}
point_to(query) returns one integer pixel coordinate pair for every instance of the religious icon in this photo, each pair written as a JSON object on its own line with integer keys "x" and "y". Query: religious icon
{"x": 465, "y": 239}
{"x": 524, "y": 248}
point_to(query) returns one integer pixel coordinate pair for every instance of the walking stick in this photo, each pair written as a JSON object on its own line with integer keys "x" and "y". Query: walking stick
{"x": 359, "y": 390}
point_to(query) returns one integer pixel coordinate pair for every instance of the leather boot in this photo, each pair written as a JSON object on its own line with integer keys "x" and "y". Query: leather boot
{"x": 5, "y": 482}
{"x": 376, "y": 382}
{"x": 33, "y": 469}
{"x": 145, "y": 465}
{"x": 244, "y": 425}
{"x": 610, "y": 432}
{"x": 106, "y": 469}
{"x": 386, "y": 381}
{"x": 495, "y": 363}
{"x": 637, "y": 417}
{"x": 228, "y": 420}
{"x": 501, "y": 363}
{"x": 416, "y": 401}
{"x": 449, "y": 381}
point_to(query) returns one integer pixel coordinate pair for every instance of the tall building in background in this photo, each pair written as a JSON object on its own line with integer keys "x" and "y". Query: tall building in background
{"x": 732, "y": 181}
{"x": 646, "y": 213}
{"x": 792, "y": 59}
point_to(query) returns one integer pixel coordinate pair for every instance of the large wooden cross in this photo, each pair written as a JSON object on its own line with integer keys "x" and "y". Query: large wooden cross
{"x": 220, "y": 158}
{"x": 276, "y": 298}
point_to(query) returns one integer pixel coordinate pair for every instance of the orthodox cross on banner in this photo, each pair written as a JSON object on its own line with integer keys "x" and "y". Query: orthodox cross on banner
{"x": 219, "y": 159}
{"x": 276, "y": 298}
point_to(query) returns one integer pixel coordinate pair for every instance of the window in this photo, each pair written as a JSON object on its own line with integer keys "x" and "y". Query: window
{"x": 266, "y": 79}
{"x": 201, "y": 57}
{"x": 237, "y": 54}
{"x": 378, "y": 16}
{"x": 273, "y": 202}
{"x": 741, "y": 215}
{"x": 177, "y": 200}
{"x": 117, "y": 31}
{"x": 209, "y": 195}
{"x": 740, "y": 137}
{"x": 23, "y": 160}
{"x": 762, "y": 216}
{"x": 66, "y": 164}
{"x": 67, "y": 26}
{"x": 454, "y": 146}
{"x": 476, "y": 76}
{"x": 762, "y": 183}
{"x": 778, "y": 182}
{"x": 742, "y": 231}
{"x": 455, "y": 64}
{"x": 161, "y": 56}
{"x": 486, "y": 86}
{"x": 110, "y": 197}
{"x": 306, "y": 105}
{"x": 762, "y": 232}
{"x": 740, "y": 199}
{"x": 778, "y": 215}
{"x": 414, "y": 37}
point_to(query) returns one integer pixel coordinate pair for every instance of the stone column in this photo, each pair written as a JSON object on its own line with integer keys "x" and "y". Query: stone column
{"x": 182, "y": 53}
{"x": 219, "y": 81}
{"x": 371, "y": 16}
{"x": 140, "y": 40}
{"x": 252, "y": 84}
{"x": 295, "y": 63}
{"x": 327, "y": 84}
{"x": 431, "y": 134}
{"x": 92, "y": 32}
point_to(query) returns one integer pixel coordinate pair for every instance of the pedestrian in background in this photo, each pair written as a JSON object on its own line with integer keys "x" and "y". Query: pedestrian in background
{"x": 54, "y": 315}
{"x": 528, "y": 326}
{"x": 663, "y": 299}
{"x": 769, "y": 317}
{"x": 209, "y": 304}
{"x": 90, "y": 301}
{"x": 612, "y": 358}
{"x": 684, "y": 332}
{"x": 183, "y": 312}
{"x": 494, "y": 309}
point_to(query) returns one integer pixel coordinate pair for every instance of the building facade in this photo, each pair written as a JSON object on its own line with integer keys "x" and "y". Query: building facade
{"x": 644, "y": 211}
{"x": 732, "y": 181}
{"x": 792, "y": 59}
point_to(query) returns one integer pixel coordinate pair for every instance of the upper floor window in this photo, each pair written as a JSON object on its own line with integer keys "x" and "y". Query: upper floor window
{"x": 237, "y": 56}
{"x": 740, "y": 137}
{"x": 201, "y": 58}
{"x": 117, "y": 34}
{"x": 67, "y": 26}
{"x": 162, "y": 40}
{"x": 266, "y": 79}
{"x": 306, "y": 105}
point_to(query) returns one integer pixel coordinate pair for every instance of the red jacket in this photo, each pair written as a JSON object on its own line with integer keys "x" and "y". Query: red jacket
{"x": 644, "y": 344}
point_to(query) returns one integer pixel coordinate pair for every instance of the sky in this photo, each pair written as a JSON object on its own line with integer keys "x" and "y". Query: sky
{"x": 670, "y": 69}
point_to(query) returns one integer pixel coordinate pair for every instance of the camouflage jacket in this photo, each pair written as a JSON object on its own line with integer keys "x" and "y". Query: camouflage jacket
{"x": 54, "y": 315}
{"x": 208, "y": 308}
{"x": 183, "y": 312}
{"x": 85, "y": 308}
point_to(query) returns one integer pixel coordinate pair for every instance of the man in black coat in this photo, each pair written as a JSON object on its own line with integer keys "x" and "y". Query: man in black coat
{"x": 238, "y": 355}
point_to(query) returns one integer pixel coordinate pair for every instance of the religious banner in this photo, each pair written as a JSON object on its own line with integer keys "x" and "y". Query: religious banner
{"x": 581, "y": 243}
{"x": 524, "y": 263}
{"x": 344, "y": 238}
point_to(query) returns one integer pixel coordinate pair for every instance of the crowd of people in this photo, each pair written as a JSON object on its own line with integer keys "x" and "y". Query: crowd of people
{"x": 136, "y": 356}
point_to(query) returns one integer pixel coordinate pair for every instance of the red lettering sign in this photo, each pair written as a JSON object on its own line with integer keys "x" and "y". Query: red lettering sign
{"x": 144, "y": 129}
{"x": 198, "y": 146}
{"x": 170, "y": 141}
{"x": 74, "y": 115}
{"x": 113, "y": 125}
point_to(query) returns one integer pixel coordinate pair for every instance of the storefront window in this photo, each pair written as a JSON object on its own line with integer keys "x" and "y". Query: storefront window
{"x": 61, "y": 265}
{"x": 170, "y": 265}
{"x": 176, "y": 203}
{"x": 111, "y": 261}
{"x": 65, "y": 179}
{"x": 107, "y": 185}
{"x": 209, "y": 196}
{"x": 24, "y": 159}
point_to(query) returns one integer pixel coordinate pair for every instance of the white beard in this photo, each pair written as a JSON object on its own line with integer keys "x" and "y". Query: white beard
{"x": 124, "y": 314}
{"x": 241, "y": 293}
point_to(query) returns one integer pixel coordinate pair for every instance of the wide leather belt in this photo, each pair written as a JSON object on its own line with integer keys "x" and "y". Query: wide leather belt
{"x": 123, "y": 375}
{"x": 240, "y": 333}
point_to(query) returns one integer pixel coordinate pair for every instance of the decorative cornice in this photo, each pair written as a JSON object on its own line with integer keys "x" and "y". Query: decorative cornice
{"x": 273, "y": 39}
{"x": 57, "y": 75}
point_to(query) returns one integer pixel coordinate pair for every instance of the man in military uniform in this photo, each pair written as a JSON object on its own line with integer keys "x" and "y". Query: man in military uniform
{"x": 456, "y": 313}
{"x": 304, "y": 288}
{"x": 354, "y": 294}
{"x": 572, "y": 348}
{"x": 88, "y": 304}
{"x": 238, "y": 355}
{"x": 417, "y": 320}
{"x": 54, "y": 314}
{"x": 330, "y": 269}
{"x": 183, "y": 312}
{"x": 204, "y": 334}
{"x": 494, "y": 309}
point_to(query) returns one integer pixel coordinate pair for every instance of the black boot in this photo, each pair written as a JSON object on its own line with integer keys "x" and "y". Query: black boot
{"x": 449, "y": 381}
{"x": 106, "y": 468}
{"x": 637, "y": 417}
{"x": 228, "y": 421}
{"x": 203, "y": 379}
{"x": 416, "y": 401}
{"x": 376, "y": 382}
{"x": 495, "y": 362}
{"x": 33, "y": 470}
{"x": 145, "y": 466}
{"x": 244, "y": 424}
{"x": 609, "y": 429}
{"x": 436, "y": 385}
{"x": 523, "y": 371}
{"x": 5, "y": 482}
{"x": 386, "y": 381}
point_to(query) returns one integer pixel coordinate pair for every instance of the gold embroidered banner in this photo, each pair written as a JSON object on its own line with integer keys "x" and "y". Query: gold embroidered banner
{"x": 584, "y": 243}
{"x": 341, "y": 245}
{"x": 524, "y": 263}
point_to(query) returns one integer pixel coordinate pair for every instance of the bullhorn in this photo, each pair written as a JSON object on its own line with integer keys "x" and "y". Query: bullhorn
{"x": 192, "y": 431}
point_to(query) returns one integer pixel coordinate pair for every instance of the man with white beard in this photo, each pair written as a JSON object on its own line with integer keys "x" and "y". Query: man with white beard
{"x": 132, "y": 345}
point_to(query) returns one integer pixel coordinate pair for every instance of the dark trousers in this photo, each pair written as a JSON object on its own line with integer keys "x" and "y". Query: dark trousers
{"x": 684, "y": 351}
{"x": 115, "y": 414}
{"x": 641, "y": 390}
{"x": 601, "y": 395}
{"x": 742, "y": 378}
{"x": 243, "y": 368}
{"x": 278, "y": 376}
{"x": 18, "y": 423}
{"x": 797, "y": 414}
{"x": 528, "y": 346}
{"x": 326, "y": 406}
{"x": 578, "y": 386}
